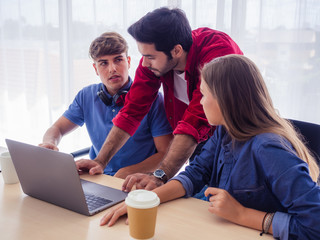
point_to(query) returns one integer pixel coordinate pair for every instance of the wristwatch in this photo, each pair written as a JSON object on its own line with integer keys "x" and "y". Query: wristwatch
{"x": 160, "y": 174}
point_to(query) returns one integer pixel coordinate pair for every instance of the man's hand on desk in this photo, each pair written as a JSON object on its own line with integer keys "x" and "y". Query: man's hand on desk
{"x": 141, "y": 181}
{"x": 91, "y": 166}
{"x": 113, "y": 214}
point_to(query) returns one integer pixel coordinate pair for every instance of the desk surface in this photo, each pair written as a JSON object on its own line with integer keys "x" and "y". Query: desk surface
{"x": 23, "y": 217}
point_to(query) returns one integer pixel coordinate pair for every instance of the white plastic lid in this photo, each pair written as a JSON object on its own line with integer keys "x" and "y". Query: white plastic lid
{"x": 142, "y": 199}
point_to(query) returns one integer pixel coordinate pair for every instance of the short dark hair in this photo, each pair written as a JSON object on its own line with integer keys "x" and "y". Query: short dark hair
{"x": 165, "y": 28}
{"x": 109, "y": 43}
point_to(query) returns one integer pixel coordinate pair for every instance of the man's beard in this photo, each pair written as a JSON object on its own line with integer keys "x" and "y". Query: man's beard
{"x": 170, "y": 65}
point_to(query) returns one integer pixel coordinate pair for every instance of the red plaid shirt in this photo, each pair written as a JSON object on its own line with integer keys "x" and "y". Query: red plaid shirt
{"x": 184, "y": 119}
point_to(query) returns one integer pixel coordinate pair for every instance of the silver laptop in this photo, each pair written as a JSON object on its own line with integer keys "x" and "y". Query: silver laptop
{"x": 52, "y": 176}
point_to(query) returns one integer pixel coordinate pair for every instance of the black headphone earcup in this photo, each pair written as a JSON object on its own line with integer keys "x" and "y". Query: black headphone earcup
{"x": 104, "y": 98}
{"x": 121, "y": 95}
{"x": 118, "y": 98}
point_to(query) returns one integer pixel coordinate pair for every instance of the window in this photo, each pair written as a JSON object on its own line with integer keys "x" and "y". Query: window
{"x": 44, "y": 53}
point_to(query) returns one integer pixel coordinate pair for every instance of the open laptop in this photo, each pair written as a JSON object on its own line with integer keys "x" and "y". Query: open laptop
{"x": 53, "y": 177}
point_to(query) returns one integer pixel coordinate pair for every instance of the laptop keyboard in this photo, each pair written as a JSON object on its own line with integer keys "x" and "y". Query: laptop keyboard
{"x": 95, "y": 202}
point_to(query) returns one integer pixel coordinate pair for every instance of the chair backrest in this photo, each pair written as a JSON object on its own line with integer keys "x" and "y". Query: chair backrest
{"x": 81, "y": 152}
{"x": 311, "y": 133}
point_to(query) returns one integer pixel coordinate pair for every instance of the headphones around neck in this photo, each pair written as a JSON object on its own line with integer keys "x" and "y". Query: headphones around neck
{"x": 118, "y": 98}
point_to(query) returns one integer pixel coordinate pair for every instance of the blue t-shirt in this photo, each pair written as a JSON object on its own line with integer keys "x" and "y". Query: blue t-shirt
{"x": 88, "y": 108}
{"x": 261, "y": 174}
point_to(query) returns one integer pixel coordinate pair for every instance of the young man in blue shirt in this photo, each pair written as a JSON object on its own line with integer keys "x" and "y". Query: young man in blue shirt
{"x": 97, "y": 104}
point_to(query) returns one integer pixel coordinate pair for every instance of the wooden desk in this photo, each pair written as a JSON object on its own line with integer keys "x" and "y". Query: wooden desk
{"x": 23, "y": 217}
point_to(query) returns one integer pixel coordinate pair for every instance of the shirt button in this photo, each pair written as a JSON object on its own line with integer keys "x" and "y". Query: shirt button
{"x": 170, "y": 100}
{"x": 170, "y": 118}
{"x": 113, "y": 110}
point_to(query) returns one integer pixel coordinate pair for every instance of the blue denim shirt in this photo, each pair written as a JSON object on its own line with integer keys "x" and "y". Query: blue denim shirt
{"x": 262, "y": 174}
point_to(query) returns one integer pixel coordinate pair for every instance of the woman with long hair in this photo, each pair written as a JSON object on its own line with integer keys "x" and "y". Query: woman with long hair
{"x": 258, "y": 171}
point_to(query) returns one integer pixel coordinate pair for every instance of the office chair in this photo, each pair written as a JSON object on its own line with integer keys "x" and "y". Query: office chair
{"x": 311, "y": 133}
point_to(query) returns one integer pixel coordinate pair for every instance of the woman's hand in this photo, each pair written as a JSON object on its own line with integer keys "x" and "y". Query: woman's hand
{"x": 224, "y": 205}
{"x": 113, "y": 214}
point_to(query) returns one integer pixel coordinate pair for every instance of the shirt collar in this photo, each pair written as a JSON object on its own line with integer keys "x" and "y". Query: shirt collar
{"x": 125, "y": 87}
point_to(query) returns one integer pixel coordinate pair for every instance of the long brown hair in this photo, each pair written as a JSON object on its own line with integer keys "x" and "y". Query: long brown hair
{"x": 246, "y": 105}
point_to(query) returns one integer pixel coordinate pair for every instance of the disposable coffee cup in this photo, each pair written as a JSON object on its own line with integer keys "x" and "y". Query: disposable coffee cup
{"x": 142, "y": 206}
{"x": 7, "y": 168}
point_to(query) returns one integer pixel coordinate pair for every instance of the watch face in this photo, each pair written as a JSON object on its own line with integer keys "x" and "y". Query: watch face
{"x": 159, "y": 173}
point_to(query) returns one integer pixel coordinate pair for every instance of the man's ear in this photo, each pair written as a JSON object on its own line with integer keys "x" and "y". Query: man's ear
{"x": 177, "y": 51}
{"x": 95, "y": 68}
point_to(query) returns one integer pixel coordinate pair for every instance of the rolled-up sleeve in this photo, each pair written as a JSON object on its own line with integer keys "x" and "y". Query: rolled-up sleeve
{"x": 194, "y": 121}
{"x": 280, "y": 225}
{"x": 186, "y": 183}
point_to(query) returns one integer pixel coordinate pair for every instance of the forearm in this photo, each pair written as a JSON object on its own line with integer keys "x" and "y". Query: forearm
{"x": 148, "y": 165}
{"x": 60, "y": 128}
{"x": 223, "y": 204}
{"x": 115, "y": 140}
{"x": 170, "y": 191}
{"x": 180, "y": 150}
{"x": 52, "y": 135}
{"x": 253, "y": 219}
